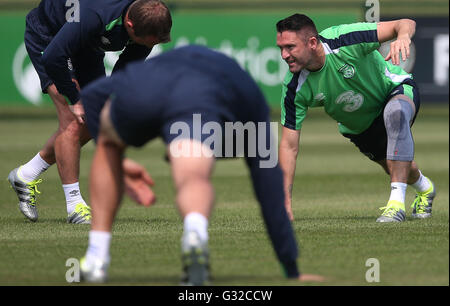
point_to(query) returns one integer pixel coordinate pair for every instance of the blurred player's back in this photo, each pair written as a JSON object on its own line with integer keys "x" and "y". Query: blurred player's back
{"x": 199, "y": 70}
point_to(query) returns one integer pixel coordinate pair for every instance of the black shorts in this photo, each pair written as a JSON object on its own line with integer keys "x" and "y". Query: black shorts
{"x": 373, "y": 141}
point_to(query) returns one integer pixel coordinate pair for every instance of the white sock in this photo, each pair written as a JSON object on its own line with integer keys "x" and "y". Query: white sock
{"x": 196, "y": 222}
{"x": 398, "y": 192}
{"x": 73, "y": 196}
{"x": 33, "y": 169}
{"x": 98, "y": 246}
{"x": 422, "y": 183}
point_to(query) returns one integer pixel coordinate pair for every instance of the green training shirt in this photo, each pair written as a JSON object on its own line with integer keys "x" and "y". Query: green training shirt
{"x": 352, "y": 86}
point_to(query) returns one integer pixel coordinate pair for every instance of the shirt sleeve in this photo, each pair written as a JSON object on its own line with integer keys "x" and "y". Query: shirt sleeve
{"x": 70, "y": 40}
{"x": 359, "y": 38}
{"x": 133, "y": 52}
{"x": 293, "y": 111}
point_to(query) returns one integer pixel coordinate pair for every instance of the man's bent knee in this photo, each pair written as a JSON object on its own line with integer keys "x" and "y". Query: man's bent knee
{"x": 72, "y": 129}
{"x": 405, "y": 98}
{"x": 398, "y": 115}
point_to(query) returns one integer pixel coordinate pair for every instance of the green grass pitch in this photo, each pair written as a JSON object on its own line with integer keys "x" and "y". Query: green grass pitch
{"x": 337, "y": 194}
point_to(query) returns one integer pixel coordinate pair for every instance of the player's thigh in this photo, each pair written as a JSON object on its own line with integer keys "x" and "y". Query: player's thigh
{"x": 191, "y": 141}
{"x": 190, "y": 166}
{"x": 373, "y": 141}
{"x": 107, "y": 129}
{"x": 65, "y": 116}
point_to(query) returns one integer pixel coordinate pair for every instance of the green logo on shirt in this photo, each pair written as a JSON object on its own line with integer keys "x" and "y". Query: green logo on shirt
{"x": 348, "y": 71}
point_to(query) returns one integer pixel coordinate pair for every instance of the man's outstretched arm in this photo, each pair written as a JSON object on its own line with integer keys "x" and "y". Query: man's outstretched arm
{"x": 288, "y": 153}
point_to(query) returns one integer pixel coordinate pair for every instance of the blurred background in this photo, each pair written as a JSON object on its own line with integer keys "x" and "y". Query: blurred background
{"x": 245, "y": 30}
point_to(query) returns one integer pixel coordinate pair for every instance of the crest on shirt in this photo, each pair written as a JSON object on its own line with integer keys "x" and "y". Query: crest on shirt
{"x": 105, "y": 40}
{"x": 69, "y": 64}
{"x": 348, "y": 71}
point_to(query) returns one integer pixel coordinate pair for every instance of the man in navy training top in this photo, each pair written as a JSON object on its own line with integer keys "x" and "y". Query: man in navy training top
{"x": 135, "y": 106}
{"x": 66, "y": 42}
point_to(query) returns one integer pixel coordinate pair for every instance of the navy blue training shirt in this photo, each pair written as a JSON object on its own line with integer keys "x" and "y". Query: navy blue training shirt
{"x": 99, "y": 28}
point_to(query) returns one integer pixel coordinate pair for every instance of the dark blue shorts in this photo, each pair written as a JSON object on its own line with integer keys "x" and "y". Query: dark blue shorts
{"x": 38, "y": 36}
{"x": 137, "y": 130}
{"x": 373, "y": 141}
{"x": 137, "y": 122}
{"x": 206, "y": 126}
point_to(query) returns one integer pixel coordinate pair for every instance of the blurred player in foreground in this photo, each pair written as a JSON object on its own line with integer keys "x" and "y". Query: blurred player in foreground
{"x": 66, "y": 46}
{"x": 158, "y": 99}
{"x": 373, "y": 101}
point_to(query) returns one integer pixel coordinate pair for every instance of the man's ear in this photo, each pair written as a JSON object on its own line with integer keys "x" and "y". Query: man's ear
{"x": 313, "y": 42}
{"x": 129, "y": 24}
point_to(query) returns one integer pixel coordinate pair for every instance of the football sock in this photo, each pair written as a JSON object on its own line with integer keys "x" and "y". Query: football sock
{"x": 98, "y": 248}
{"x": 31, "y": 170}
{"x": 398, "y": 192}
{"x": 73, "y": 196}
{"x": 196, "y": 222}
{"x": 422, "y": 184}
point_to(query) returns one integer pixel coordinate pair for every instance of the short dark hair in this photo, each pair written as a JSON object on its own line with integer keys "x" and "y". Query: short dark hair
{"x": 151, "y": 17}
{"x": 296, "y": 23}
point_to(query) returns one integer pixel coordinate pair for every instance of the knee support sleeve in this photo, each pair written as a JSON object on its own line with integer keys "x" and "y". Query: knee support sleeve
{"x": 398, "y": 115}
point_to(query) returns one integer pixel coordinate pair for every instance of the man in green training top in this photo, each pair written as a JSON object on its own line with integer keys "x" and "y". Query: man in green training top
{"x": 373, "y": 101}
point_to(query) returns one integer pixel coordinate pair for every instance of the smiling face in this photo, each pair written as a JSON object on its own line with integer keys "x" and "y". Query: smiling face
{"x": 297, "y": 50}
